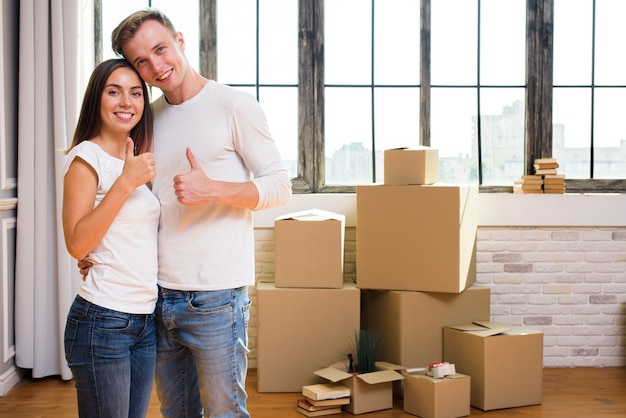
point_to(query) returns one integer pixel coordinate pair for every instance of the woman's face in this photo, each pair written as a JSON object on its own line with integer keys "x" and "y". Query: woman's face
{"x": 122, "y": 101}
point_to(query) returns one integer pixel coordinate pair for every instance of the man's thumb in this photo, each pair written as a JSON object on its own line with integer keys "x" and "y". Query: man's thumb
{"x": 191, "y": 158}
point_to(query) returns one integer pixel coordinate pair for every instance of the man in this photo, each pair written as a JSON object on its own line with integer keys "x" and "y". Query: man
{"x": 216, "y": 163}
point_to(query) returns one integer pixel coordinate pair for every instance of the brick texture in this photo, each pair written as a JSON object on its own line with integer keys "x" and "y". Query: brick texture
{"x": 568, "y": 282}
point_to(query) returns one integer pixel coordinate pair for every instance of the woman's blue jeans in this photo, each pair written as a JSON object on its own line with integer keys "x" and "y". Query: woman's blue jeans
{"x": 202, "y": 352}
{"x": 112, "y": 356}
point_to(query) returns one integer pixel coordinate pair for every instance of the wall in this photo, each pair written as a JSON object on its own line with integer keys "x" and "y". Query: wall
{"x": 568, "y": 280}
{"x": 8, "y": 174}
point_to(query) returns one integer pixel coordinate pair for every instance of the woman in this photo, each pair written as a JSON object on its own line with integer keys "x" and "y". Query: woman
{"x": 111, "y": 217}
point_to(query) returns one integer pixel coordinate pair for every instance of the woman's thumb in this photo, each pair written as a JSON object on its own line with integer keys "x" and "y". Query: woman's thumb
{"x": 130, "y": 147}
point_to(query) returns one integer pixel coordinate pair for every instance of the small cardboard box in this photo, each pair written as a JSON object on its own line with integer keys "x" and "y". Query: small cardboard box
{"x": 405, "y": 166}
{"x": 411, "y": 323}
{"x": 420, "y": 238}
{"x": 427, "y": 397}
{"x": 309, "y": 249}
{"x": 368, "y": 391}
{"x": 302, "y": 330}
{"x": 504, "y": 361}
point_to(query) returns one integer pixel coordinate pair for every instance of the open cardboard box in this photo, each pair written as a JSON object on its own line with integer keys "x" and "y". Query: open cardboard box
{"x": 368, "y": 391}
{"x": 505, "y": 362}
{"x": 309, "y": 249}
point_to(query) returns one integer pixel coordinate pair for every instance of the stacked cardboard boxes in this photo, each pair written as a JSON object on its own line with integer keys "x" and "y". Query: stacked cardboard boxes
{"x": 416, "y": 268}
{"x": 308, "y": 316}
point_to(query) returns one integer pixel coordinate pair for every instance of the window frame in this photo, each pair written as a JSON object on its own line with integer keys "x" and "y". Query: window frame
{"x": 311, "y": 156}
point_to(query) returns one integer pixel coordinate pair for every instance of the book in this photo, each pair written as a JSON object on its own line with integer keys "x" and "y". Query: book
{"x": 330, "y": 411}
{"x": 532, "y": 186}
{"x": 322, "y": 391}
{"x": 304, "y": 403}
{"x": 546, "y": 161}
{"x": 554, "y": 179}
{"x": 546, "y": 171}
{"x": 328, "y": 402}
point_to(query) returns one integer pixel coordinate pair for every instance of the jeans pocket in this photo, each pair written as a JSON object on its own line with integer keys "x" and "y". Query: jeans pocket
{"x": 111, "y": 321}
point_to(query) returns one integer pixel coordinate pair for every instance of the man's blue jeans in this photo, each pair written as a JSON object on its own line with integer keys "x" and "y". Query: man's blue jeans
{"x": 202, "y": 352}
{"x": 112, "y": 356}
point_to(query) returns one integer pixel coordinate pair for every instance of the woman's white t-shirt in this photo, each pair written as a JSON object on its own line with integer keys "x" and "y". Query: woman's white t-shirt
{"x": 125, "y": 265}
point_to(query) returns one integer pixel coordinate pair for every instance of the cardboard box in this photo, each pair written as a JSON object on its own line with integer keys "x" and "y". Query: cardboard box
{"x": 368, "y": 391}
{"x": 405, "y": 166}
{"x": 427, "y": 397}
{"x": 309, "y": 249}
{"x": 410, "y": 324}
{"x": 504, "y": 361}
{"x": 302, "y": 330}
{"x": 420, "y": 238}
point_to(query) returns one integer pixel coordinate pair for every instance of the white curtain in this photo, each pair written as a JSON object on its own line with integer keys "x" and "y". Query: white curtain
{"x": 51, "y": 80}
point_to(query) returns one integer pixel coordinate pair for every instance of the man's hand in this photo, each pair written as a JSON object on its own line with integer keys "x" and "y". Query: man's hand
{"x": 84, "y": 265}
{"x": 191, "y": 188}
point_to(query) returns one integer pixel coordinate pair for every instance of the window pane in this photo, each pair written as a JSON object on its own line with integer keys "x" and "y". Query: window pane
{"x": 571, "y": 143}
{"x": 281, "y": 109}
{"x": 397, "y": 117}
{"x": 397, "y": 42}
{"x": 609, "y": 43}
{"x": 348, "y": 135}
{"x": 113, "y": 12}
{"x": 347, "y": 42}
{"x": 454, "y": 42}
{"x": 502, "y": 135}
{"x": 502, "y": 42}
{"x": 278, "y": 42}
{"x": 609, "y": 137}
{"x": 453, "y": 111}
{"x": 236, "y": 41}
{"x": 572, "y": 42}
{"x": 397, "y": 121}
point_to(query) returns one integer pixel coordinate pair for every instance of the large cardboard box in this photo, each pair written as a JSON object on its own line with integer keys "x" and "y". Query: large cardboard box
{"x": 368, "y": 391}
{"x": 410, "y": 324}
{"x": 427, "y": 397}
{"x": 504, "y": 361}
{"x": 302, "y": 330}
{"x": 309, "y": 249}
{"x": 420, "y": 238}
{"x": 405, "y": 166}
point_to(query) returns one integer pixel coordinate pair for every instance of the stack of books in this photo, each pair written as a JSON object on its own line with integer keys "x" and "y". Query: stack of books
{"x": 545, "y": 180}
{"x": 323, "y": 399}
{"x": 545, "y": 166}
{"x": 531, "y": 183}
{"x": 552, "y": 182}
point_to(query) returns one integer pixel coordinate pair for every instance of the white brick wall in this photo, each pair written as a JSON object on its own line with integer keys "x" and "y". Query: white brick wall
{"x": 568, "y": 282}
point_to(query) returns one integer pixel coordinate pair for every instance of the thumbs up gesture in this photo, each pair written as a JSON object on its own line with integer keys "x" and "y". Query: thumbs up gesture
{"x": 138, "y": 169}
{"x": 192, "y": 187}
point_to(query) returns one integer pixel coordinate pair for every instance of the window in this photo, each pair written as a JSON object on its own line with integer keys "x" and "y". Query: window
{"x": 342, "y": 80}
{"x": 589, "y": 89}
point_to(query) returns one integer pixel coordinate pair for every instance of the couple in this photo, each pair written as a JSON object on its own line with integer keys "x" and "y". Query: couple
{"x": 206, "y": 150}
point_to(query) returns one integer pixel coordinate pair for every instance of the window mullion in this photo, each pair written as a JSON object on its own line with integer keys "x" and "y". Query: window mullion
{"x": 310, "y": 97}
{"x": 539, "y": 71}
{"x": 208, "y": 38}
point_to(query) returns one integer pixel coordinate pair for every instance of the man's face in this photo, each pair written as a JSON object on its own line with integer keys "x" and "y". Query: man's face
{"x": 157, "y": 55}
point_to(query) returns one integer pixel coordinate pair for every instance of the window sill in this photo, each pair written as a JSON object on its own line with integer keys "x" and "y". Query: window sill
{"x": 495, "y": 209}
